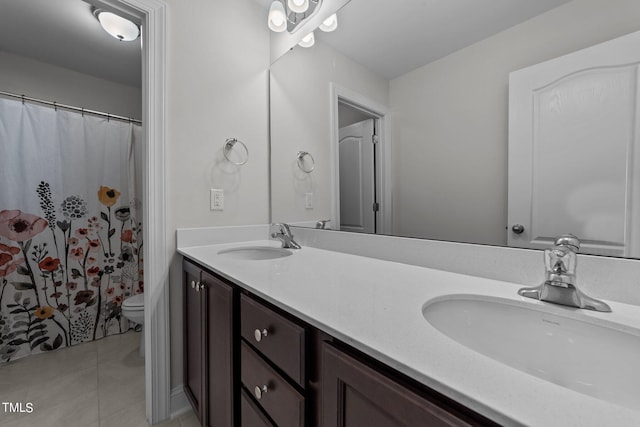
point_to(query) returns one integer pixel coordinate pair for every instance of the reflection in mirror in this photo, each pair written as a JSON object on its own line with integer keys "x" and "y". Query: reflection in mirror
{"x": 438, "y": 100}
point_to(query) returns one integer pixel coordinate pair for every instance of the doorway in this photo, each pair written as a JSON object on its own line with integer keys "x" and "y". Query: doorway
{"x": 360, "y": 148}
{"x": 152, "y": 15}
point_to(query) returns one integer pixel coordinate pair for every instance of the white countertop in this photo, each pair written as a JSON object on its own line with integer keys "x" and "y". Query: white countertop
{"x": 376, "y": 306}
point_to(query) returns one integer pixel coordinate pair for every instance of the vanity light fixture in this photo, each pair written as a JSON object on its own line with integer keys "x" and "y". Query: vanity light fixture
{"x": 288, "y": 15}
{"x": 329, "y": 24}
{"x": 277, "y": 20}
{"x": 298, "y": 6}
{"x": 308, "y": 40}
{"x": 117, "y": 26}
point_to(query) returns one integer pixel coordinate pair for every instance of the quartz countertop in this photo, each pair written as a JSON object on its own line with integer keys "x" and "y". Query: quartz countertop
{"x": 376, "y": 307}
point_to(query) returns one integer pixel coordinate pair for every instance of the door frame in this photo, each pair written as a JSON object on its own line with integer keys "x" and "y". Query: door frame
{"x": 380, "y": 113}
{"x": 153, "y": 15}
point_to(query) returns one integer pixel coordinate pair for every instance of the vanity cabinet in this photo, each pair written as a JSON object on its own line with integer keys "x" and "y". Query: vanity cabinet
{"x": 209, "y": 360}
{"x": 250, "y": 364}
{"x": 355, "y": 394}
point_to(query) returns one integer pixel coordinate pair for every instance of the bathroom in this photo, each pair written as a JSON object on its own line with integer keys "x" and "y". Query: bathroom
{"x": 210, "y": 93}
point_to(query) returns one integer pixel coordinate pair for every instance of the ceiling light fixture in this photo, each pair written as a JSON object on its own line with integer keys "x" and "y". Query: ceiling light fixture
{"x": 329, "y": 24}
{"x": 308, "y": 40}
{"x": 117, "y": 26}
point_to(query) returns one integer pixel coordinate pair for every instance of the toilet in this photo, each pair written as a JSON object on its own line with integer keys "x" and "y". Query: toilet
{"x": 133, "y": 309}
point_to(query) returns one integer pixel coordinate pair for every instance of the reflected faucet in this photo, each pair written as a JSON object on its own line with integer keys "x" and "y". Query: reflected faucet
{"x": 560, "y": 286}
{"x": 285, "y": 235}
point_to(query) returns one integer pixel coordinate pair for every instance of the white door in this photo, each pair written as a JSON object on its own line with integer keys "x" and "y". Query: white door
{"x": 357, "y": 177}
{"x": 573, "y": 150}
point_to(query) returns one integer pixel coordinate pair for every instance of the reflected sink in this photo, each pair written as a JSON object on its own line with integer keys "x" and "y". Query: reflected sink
{"x": 254, "y": 253}
{"x": 559, "y": 345}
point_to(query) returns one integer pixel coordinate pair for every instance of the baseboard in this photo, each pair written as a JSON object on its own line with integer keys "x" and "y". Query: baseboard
{"x": 179, "y": 402}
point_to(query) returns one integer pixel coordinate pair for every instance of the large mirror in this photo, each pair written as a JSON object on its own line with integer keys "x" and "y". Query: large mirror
{"x": 403, "y": 111}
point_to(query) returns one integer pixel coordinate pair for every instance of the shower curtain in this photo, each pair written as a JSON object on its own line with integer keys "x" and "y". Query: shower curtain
{"x": 70, "y": 231}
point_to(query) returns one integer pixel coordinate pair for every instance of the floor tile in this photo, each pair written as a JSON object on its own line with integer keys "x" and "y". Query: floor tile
{"x": 96, "y": 384}
{"x": 133, "y": 416}
{"x": 189, "y": 420}
{"x": 79, "y": 411}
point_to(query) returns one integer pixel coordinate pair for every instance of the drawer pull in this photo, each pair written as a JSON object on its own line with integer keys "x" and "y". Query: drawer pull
{"x": 259, "y": 391}
{"x": 259, "y": 334}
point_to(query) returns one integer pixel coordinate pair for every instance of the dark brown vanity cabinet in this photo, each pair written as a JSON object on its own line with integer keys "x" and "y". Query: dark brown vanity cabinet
{"x": 250, "y": 364}
{"x": 208, "y": 346}
{"x": 355, "y": 394}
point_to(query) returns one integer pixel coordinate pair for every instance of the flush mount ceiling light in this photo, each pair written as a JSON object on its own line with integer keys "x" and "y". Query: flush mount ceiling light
{"x": 117, "y": 26}
{"x": 308, "y": 40}
{"x": 290, "y": 14}
{"x": 329, "y": 24}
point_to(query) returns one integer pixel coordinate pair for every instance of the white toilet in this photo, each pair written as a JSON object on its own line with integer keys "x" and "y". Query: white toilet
{"x": 133, "y": 309}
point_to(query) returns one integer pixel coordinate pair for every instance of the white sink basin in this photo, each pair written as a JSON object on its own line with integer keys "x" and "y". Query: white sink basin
{"x": 597, "y": 358}
{"x": 255, "y": 253}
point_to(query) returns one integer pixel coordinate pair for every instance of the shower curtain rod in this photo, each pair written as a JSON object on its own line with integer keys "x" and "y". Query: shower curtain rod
{"x": 72, "y": 108}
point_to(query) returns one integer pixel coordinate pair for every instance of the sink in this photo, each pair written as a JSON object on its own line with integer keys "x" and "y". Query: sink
{"x": 255, "y": 253}
{"x": 594, "y": 357}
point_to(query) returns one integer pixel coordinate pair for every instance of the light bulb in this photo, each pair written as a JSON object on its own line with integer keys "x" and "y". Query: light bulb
{"x": 118, "y": 27}
{"x": 298, "y": 6}
{"x": 329, "y": 24}
{"x": 277, "y": 20}
{"x": 308, "y": 40}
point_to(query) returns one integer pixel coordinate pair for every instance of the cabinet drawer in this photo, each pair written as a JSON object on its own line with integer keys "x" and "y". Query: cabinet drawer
{"x": 281, "y": 401}
{"x": 250, "y": 414}
{"x": 284, "y": 341}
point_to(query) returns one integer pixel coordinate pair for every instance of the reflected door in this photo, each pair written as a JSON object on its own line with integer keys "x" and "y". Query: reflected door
{"x": 357, "y": 177}
{"x": 573, "y": 150}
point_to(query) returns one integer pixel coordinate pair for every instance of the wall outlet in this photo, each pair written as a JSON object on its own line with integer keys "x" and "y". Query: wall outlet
{"x": 308, "y": 200}
{"x": 217, "y": 200}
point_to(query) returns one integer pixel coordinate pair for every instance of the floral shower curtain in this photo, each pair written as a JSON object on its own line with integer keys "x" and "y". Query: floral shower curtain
{"x": 70, "y": 235}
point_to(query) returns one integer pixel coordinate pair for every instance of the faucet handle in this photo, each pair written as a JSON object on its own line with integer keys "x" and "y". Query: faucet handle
{"x": 568, "y": 240}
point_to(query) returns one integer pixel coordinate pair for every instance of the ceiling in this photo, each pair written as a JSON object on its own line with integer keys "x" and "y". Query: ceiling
{"x": 66, "y": 34}
{"x": 393, "y": 37}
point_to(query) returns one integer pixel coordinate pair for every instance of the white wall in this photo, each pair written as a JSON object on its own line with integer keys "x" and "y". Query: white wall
{"x": 300, "y": 120}
{"x": 218, "y": 60}
{"x": 450, "y": 121}
{"x": 26, "y": 76}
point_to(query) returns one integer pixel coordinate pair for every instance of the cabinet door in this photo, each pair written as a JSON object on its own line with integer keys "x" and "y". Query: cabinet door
{"x": 219, "y": 351}
{"x": 354, "y": 395}
{"x": 193, "y": 328}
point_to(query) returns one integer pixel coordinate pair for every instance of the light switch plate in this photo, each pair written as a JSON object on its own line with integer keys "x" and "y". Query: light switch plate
{"x": 217, "y": 199}
{"x": 308, "y": 200}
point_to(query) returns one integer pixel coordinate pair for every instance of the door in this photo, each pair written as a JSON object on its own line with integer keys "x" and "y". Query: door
{"x": 219, "y": 358}
{"x": 357, "y": 177}
{"x": 573, "y": 150}
{"x": 193, "y": 329}
{"x": 355, "y": 395}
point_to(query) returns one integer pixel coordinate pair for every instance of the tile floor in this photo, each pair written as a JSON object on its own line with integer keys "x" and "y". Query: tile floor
{"x": 97, "y": 384}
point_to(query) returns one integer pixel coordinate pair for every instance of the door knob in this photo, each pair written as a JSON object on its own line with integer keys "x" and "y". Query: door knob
{"x": 518, "y": 228}
{"x": 259, "y": 391}
{"x": 259, "y": 334}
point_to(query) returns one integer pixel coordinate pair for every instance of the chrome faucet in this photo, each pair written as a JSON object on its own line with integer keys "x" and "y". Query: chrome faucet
{"x": 285, "y": 235}
{"x": 559, "y": 286}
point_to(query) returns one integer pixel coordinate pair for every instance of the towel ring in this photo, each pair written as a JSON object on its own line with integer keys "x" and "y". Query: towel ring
{"x": 302, "y": 162}
{"x": 229, "y": 144}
